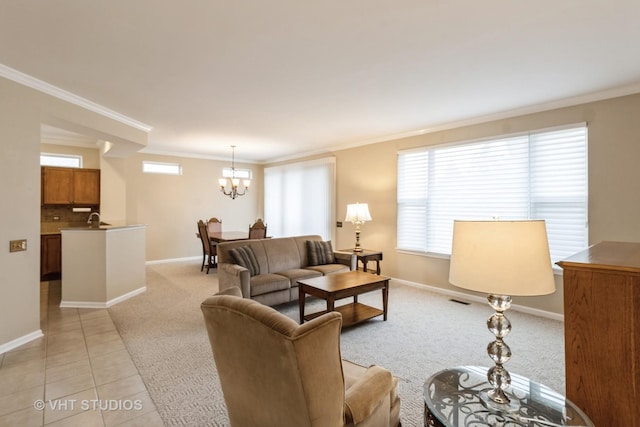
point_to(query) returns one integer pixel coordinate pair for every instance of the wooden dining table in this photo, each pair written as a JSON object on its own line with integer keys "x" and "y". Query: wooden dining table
{"x": 225, "y": 236}
{"x": 228, "y": 236}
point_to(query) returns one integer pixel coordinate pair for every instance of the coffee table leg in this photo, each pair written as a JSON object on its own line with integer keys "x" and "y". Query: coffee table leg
{"x": 301, "y": 303}
{"x": 330, "y": 303}
{"x": 385, "y": 298}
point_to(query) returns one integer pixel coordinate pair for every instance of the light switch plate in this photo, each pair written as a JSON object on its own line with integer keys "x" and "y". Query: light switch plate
{"x": 17, "y": 245}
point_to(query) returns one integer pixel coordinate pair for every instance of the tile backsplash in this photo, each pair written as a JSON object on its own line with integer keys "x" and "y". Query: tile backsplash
{"x": 64, "y": 214}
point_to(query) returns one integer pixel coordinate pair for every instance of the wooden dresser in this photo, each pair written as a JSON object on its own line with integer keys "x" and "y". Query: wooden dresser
{"x": 602, "y": 332}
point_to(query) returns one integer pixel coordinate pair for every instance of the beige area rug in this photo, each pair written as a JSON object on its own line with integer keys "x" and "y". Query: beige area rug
{"x": 164, "y": 331}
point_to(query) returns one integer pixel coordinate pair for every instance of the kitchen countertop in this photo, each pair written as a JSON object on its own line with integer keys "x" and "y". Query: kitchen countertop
{"x": 55, "y": 226}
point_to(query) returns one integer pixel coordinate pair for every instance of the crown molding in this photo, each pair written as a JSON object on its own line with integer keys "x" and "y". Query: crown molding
{"x": 189, "y": 155}
{"x": 49, "y": 89}
{"x": 516, "y": 112}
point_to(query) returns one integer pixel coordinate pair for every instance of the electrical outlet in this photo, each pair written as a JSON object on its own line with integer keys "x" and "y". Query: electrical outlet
{"x": 17, "y": 245}
{"x": 339, "y": 224}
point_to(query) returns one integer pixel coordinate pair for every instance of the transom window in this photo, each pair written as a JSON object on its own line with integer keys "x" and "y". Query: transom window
{"x": 161, "y": 168}
{"x": 62, "y": 160}
{"x": 540, "y": 175}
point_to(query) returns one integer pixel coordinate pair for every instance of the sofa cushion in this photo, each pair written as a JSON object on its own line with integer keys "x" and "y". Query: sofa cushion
{"x": 298, "y": 274}
{"x": 320, "y": 252}
{"x": 281, "y": 254}
{"x": 267, "y": 283}
{"x": 245, "y": 257}
{"x": 330, "y": 268}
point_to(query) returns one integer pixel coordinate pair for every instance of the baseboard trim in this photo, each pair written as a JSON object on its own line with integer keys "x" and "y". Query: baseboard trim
{"x": 82, "y": 304}
{"x": 91, "y": 304}
{"x": 165, "y": 261}
{"x": 126, "y": 296}
{"x": 464, "y": 296}
{"x": 6, "y": 347}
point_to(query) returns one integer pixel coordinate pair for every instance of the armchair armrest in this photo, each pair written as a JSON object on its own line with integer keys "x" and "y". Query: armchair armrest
{"x": 347, "y": 258}
{"x": 364, "y": 396}
{"x": 234, "y": 275}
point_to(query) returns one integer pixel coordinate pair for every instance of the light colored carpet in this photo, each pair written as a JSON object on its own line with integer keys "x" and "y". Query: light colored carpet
{"x": 164, "y": 331}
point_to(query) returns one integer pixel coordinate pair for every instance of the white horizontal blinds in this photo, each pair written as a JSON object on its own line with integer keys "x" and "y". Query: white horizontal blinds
{"x": 274, "y": 200}
{"x": 541, "y": 176}
{"x": 299, "y": 198}
{"x": 412, "y": 228}
{"x": 480, "y": 180}
{"x": 559, "y": 188}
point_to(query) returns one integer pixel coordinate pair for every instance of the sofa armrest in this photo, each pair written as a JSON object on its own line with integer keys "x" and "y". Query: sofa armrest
{"x": 347, "y": 258}
{"x": 232, "y": 291}
{"x": 234, "y": 275}
{"x": 364, "y": 396}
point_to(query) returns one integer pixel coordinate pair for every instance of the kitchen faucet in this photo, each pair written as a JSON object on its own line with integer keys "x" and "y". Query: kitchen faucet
{"x": 89, "y": 221}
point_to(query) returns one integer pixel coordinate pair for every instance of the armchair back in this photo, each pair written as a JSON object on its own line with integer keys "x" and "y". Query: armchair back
{"x": 274, "y": 372}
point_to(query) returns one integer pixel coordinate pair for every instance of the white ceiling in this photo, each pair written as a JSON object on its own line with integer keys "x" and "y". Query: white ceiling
{"x": 284, "y": 78}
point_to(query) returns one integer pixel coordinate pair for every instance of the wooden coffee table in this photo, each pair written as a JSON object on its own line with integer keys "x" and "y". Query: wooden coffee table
{"x": 344, "y": 285}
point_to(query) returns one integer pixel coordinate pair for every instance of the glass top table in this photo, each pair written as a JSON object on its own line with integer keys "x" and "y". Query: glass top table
{"x": 452, "y": 399}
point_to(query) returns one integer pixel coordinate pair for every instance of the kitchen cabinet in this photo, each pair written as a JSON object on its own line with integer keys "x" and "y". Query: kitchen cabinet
{"x": 50, "y": 256}
{"x": 86, "y": 186}
{"x": 70, "y": 186}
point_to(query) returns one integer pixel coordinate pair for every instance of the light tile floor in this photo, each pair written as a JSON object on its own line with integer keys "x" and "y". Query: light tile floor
{"x": 80, "y": 373}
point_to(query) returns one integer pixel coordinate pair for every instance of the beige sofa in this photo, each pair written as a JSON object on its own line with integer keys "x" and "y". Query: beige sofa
{"x": 280, "y": 263}
{"x": 276, "y": 373}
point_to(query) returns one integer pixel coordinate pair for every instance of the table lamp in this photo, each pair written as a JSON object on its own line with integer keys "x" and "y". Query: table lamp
{"x": 502, "y": 259}
{"x": 358, "y": 213}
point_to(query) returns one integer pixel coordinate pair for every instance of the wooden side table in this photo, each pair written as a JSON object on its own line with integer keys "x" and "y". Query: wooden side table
{"x": 365, "y": 256}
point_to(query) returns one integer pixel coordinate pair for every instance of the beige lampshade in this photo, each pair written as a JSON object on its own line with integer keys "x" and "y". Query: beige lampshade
{"x": 502, "y": 257}
{"x": 358, "y": 212}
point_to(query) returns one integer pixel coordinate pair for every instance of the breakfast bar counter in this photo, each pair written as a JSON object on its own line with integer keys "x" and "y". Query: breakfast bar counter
{"x": 102, "y": 265}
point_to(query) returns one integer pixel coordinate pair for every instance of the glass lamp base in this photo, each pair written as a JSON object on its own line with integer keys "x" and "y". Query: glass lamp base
{"x": 501, "y": 404}
{"x": 496, "y": 399}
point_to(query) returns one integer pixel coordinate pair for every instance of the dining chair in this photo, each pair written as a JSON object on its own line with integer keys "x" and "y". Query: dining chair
{"x": 258, "y": 230}
{"x": 208, "y": 249}
{"x": 214, "y": 225}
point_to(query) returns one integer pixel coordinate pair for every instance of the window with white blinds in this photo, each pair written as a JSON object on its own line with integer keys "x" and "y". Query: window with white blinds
{"x": 541, "y": 175}
{"x": 299, "y": 198}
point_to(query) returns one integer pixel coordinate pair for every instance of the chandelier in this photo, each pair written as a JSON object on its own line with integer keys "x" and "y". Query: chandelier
{"x": 229, "y": 185}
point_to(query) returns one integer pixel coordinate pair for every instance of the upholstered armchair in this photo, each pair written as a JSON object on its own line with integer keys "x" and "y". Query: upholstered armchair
{"x": 274, "y": 372}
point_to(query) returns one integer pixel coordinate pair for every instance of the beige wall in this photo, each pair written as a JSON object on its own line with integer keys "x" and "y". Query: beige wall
{"x": 170, "y": 205}
{"x": 20, "y": 212}
{"x": 368, "y": 174}
{"x": 22, "y": 111}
